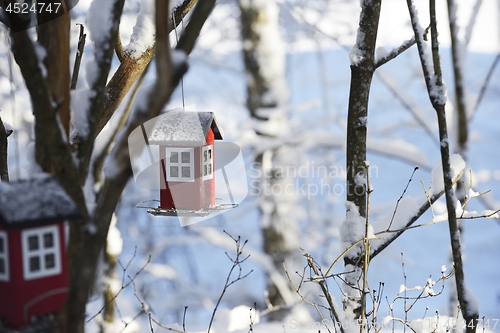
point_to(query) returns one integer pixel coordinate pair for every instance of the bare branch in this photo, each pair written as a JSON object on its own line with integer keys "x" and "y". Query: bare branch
{"x": 4, "y": 167}
{"x": 485, "y": 84}
{"x": 78, "y": 57}
{"x": 324, "y": 287}
{"x": 407, "y": 105}
{"x": 395, "y": 52}
{"x": 435, "y": 90}
{"x": 411, "y": 221}
{"x": 236, "y": 264}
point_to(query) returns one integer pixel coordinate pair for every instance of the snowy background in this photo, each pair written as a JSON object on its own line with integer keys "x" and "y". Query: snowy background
{"x": 189, "y": 266}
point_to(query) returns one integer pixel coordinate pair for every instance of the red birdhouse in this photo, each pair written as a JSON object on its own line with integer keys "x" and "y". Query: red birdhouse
{"x": 186, "y": 144}
{"x": 181, "y": 148}
{"x": 33, "y": 269}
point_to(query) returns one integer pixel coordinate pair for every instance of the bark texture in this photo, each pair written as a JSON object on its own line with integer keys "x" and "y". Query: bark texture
{"x": 362, "y": 69}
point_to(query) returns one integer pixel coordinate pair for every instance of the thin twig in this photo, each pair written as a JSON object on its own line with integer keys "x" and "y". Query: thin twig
{"x": 401, "y": 197}
{"x": 124, "y": 286}
{"x": 297, "y": 290}
{"x": 236, "y": 264}
{"x": 485, "y": 85}
{"x": 323, "y": 286}
{"x": 184, "y": 319}
{"x": 151, "y": 319}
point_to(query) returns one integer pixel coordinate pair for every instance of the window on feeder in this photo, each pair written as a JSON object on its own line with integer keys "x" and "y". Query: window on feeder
{"x": 41, "y": 256}
{"x": 180, "y": 166}
{"x": 4, "y": 257}
{"x": 207, "y": 162}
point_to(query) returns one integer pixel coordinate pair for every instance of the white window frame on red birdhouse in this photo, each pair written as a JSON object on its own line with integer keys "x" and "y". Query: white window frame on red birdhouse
{"x": 207, "y": 162}
{"x": 36, "y": 246}
{"x": 180, "y": 164}
{"x": 4, "y": 257}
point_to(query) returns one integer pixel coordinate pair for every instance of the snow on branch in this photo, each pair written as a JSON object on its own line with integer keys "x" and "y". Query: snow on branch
{"x": 103, "y": 22}
{"x": 131, "y": 68}
{"x": 46, "y": 117}
{"x": 436, "y": 91}
{"x": 435, "y": 88}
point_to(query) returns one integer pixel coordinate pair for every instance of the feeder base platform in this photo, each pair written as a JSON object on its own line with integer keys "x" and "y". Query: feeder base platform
{"x": 158, "y": 211}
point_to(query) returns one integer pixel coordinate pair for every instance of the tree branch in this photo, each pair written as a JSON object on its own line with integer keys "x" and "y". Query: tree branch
{"x": 460, "y": 98}
{"x": 395, "y": 52}
{"x": 4, "y": 167}
{"x": 104, "y": 49}
{"x": 78, "y": 57}
{"x": 435, "y": 90}
{"x": 411, "y": 221}
{"x": 362, "y": 68}
{"x": 62, "y": 161}
{"x": 91, "y": 244}
{"x": 130, "y": 69}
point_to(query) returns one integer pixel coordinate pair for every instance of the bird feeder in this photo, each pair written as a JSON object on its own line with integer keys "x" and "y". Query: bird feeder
{"x": 183, "y": 142}
{"x": 33, "y": 238}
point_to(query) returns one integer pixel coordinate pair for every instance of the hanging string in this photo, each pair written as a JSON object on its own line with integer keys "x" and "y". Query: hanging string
{"x": 17, "y": 163}
{"x": 177, "y": 40}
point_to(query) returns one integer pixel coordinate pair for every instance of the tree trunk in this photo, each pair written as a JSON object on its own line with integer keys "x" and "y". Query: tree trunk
{"x": 362, "y": 68}
{"x": 264, "y": 60}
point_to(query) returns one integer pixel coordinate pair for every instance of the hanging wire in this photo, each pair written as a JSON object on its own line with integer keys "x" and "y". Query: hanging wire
{"x": 177, "y": 40}
{"x": 17, "y": 163}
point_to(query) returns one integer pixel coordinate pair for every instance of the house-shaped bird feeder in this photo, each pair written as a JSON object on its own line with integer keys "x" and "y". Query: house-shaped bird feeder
{"x": 33, "y": 269}
{"x": 185, "y": 142}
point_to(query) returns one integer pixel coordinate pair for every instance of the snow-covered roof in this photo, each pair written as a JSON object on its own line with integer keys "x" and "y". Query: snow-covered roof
{"x": 36, "y": 201}
{"x": 182, "y": 128}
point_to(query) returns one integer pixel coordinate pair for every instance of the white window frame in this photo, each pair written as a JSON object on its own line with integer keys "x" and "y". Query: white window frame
{"x": 4, "y": 256}
{"x": 207, "y": 162}
{"x": 179, "y": 164}
{"x": 41, "y": 252}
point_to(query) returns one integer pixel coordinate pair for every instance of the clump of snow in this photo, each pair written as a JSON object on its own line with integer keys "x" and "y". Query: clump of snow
{"x": 143, "y": 34}
{"x": 91, "y": 72}
{"x": 472, "y": 303}
{"x": 114, "y": 242}
{"x": 8, "y": 127}
{"x": 473, "y": 194}
{"x": 380, "y": 53}
{"x": 428, "y": 291}
{"x": 161, "y": 271}
{"x": 457, "y": 166}
{"x": 352, "y": 230}
{"x": 356, "y": 54}
{"x": 360, "y": 179}
{"x": 237, "y": 319}
{"x": 80, "y": 104}
{"x": 99, "y": 20}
